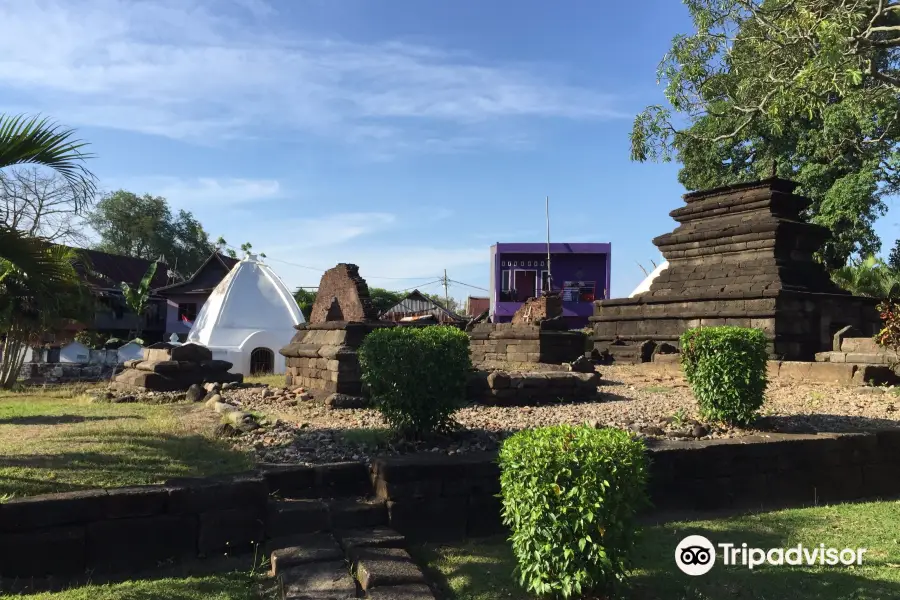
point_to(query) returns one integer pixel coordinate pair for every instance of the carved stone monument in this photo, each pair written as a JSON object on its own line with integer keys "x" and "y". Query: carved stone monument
{"x": 323, "y": 353}
{"x": 741, "y": 255}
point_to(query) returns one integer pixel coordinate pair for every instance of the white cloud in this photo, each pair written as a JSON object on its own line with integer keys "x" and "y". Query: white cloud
{"x": 202, "y": 192}
{"x": 179, "y": 68}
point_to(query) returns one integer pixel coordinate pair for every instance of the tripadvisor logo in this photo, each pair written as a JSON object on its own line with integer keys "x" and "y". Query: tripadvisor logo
{"x": 696, "y": 555}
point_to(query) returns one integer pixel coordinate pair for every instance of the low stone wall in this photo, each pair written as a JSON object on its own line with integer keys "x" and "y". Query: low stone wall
{"x": 523, "y": 388}
{"x": 844, "y": 374}
{"x": 550, "y": 342}
{"x": 66, "y": 372}
{"x": 427, "y": 497}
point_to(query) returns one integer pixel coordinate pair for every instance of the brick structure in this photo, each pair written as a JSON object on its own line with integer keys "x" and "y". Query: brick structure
{"x": 535, "y": 310}
{"x": 501, "y": 388}
{"x": 169, "y": 368}
{"x": 548, "y": 342}
{"x": 323, "y": 353}
{"x": 741, "y": 255}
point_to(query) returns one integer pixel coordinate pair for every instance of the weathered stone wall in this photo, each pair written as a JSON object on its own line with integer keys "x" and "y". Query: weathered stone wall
{"x": 342, "y": 295}
{"x": 504, "y": 388}
{"x": 323, "y": 356}
{"x": 548, "y": 342}
{"x": 66, "y": 372}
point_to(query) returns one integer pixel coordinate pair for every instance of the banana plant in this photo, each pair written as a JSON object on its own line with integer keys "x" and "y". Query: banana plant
{"x": 136, "y": 298}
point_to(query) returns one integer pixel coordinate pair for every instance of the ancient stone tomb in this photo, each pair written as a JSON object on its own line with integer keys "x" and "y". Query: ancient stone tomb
{"x": 741, "y": 255}
{"x": 168, "y": 368}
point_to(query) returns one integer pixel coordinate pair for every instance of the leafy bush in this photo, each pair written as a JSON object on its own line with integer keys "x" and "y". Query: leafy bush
{"x": 726, "y": 367}
{"x": 570, "y": 495}
{"x": 889, "y": 336}
{"x": 416, "y": 376}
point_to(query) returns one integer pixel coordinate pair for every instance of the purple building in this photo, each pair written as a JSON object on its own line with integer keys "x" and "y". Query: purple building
{"x": 519, "y": 271}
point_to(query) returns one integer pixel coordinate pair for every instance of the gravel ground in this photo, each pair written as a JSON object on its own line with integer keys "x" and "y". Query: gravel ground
{"x": 651, "y": 405}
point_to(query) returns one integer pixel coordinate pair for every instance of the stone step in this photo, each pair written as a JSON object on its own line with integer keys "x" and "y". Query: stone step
{"x": 357, "y": 563}
{"x": 865, "y": 345}
{"x": 859, "y": 358}
{"x": 384, "y": 567}
{"x": 625, "y": 354}
{"x": 297, "y": 516}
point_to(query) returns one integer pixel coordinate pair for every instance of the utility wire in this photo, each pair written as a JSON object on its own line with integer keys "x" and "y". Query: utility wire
{"x": 323, "y": 270}
{"x": 469, "y": 285}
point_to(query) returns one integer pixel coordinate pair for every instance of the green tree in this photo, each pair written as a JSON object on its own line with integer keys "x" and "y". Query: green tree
{"x": 807, "y": 85}
{"x": 305, "y": 299}
{"x": 39, "y": 285}
{"x": 144, "y": 227}
{"x": 451, "y": 304}
{"x": 136, "y": 298}
{"x": 894, "y": 257}
{"x": 383, "y": 299}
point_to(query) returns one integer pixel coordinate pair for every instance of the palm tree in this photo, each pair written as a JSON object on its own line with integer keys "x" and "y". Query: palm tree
{"x": 38, "y": 281}
{"x": 868, "y": 277}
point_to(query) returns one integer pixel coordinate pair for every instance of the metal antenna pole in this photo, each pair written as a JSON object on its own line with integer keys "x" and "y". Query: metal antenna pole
{"x": 446, "y": 290}
{"x": 549, "y": 273}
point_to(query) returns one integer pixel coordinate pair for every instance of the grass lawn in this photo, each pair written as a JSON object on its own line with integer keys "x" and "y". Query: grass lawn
{"x": 483, "y": 569}
{"x": 233, "y": 586}
{"x": 55, "y": 440}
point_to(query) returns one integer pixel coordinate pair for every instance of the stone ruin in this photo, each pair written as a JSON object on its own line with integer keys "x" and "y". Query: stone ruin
{"x": 323, "y": 353}
{"x": 168, "y": 368}
{"x": 741, "y": 255}
{"x": 532, "y": 359}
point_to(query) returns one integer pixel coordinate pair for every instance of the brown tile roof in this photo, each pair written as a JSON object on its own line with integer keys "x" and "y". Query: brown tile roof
{"x": 108, "y": 271}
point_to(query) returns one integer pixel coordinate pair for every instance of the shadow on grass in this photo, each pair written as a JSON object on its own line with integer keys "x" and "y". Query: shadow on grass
{"x": 118, "y": 459}
{"x": 59, "y": 419}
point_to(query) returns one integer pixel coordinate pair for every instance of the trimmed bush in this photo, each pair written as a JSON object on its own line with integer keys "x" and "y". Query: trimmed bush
{"x": 570, "y": 495}
{"x": 726, "y": 368}
{"x": 416, "y": 376}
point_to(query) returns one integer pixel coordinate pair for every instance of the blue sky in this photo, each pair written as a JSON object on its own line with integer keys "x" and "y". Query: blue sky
{"x": 405, "y": 136}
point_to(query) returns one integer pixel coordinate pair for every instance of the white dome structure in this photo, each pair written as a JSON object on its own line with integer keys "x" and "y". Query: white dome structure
{"x": 646, "y": 283}
{"x": 248, "y": 318}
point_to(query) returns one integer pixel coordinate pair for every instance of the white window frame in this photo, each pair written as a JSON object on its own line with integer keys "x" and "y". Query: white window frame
{"x": 542, "y": 275}
{"x": 506, "y": 279}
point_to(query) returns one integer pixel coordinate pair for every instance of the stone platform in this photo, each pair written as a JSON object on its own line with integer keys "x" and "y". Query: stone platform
{"x": 169, "y": 368}
{"x": 741, "y": 256}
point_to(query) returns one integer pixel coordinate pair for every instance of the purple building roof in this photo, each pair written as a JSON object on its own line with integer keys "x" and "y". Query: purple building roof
{"x": 555, "y": 248}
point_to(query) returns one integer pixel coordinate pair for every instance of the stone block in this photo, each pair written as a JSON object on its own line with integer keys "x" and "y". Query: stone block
{"x": 357, "y": 514}
{"x": 56, "y": 551}
{"x": 402, "y": 592}
{"x": 140, "y": 501}
{"x": 337, "y": 480}
{"x": 317, "y": 581}
{"x": 127, "y": 545}
{"x": 230, "y": 531}
{"x": 305, "y": 549}
{"x": 296, "y": 516}
{"x": 433, "y": 520}
{"x": 378, "y": 537}
{"x": 875, "y": 375}
{"x": 862, "y": 345}
{"x": 295, "y": 481}
{"x": 381, "y": 567}
{"x": 49, "y": 510}
{"x": 796, "y": 371}
{"x": 242, "y": 491}
{"x": 484, "y": 516}
{"x": 831, "y": 373}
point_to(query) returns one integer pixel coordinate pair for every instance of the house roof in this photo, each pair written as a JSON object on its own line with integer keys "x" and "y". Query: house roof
{"x": 417, "y": 303}
{"x": 108, "y": 271}
{"x": 478, "y": 304}
{"x": 205, "y": 279}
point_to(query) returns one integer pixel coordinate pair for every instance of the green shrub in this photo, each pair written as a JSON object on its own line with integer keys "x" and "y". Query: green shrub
{"x": 416, "y": 376}
{"x": 726, "y": 367}
{"x": 570, "y": 495}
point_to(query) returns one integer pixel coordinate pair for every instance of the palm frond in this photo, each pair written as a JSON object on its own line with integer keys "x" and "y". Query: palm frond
{"x": 40, "y": 141}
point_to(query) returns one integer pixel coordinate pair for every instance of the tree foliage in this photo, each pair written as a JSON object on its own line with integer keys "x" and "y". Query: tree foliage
{"x": 42, "y": 203}
{"x": 808, "y": 85}
{"x": 305, "y": 299}
{"x": 145, "y": 227}
{"x": 136, "y": 298}
{"x": 869, "y": 277}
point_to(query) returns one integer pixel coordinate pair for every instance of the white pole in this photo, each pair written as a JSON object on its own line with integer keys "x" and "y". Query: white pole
{"x": 549, "y": 273}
